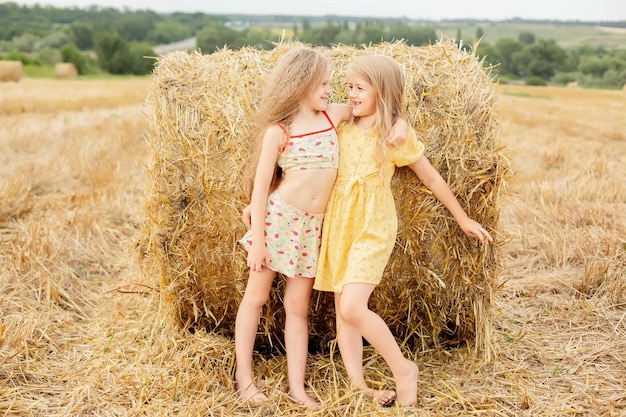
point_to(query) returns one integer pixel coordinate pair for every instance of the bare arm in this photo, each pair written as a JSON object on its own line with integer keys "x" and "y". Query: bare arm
{"x": 339, "y": 113}
{"x": 258, "y": 256}
{"x": 435, "y": 183}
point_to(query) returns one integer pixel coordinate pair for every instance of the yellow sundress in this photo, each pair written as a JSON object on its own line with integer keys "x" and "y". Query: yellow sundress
{"x": 361, "y": 224}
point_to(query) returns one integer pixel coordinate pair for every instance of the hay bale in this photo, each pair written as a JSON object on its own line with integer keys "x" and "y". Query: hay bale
{"x": 11, "y": 70}
{"x": 65, "y": 70}
{"x": 438, "y": 286}
{"x": 572, "y": 84}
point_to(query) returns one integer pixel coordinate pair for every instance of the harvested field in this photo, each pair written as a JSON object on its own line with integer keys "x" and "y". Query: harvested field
{"x": 81, "y": 331}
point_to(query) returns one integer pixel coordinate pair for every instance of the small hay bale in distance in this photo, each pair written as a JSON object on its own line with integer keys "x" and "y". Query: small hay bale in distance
{"x": 438, "y": 286}
{"x": 65, "y": 70}
{"x": 11, "y": 71}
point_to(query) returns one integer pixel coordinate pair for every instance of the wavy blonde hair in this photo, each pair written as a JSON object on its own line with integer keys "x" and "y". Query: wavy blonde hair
{"x": 296, "y": 74}
{"x": 387, "y": 77}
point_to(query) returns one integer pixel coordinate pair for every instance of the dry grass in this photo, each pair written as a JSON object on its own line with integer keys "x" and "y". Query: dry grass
{"x": 79, "y": 329}
{"x": 42, "y": 96}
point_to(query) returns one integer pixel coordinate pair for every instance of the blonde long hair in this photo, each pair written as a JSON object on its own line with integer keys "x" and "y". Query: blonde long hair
{"x": 387, "y": 77}
{"x": 292, "y": 80}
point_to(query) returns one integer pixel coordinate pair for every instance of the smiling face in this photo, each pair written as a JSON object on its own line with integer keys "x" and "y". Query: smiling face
{"x": 320, "y": 93}
{"x": 362, "y": 96}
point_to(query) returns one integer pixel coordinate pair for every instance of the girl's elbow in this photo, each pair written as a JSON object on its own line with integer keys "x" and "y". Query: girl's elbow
{"x": 434, "y": 183}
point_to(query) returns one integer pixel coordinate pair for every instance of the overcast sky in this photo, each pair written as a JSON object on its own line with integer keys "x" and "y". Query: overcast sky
{"x": 585, "y": 10}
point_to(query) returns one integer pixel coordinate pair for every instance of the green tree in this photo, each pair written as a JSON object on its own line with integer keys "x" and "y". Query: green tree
{"x": 412, "y": 36}
{"x": 214, "y": 37}
{"x": 260, "y": 38}
{"x": 401, "y": 31}
{"x": 323, "y": 35}
{"x": 26, "y": 42}
{"x": 50, "y": 56}
{"x": 113, "y": 53}
{"x": 504, "y": 50}
{"x": 168, "y": 32}
{"x": 541, "y": 59}
{"x": 142, "y": 57}
{"x": 593, "y": 65}
{"x": 536, "y": 81}
{"x": 480, "y": 33}
{"x": 19, "y": 56}
{"x": 84, "y": 65}
{"x": 55, "y": 40}
{"x": 82, "y": 34}
{"x": 136, "y": 26}
{"x": 527, "y": 38}
{"x": 488, "y": 52}
{"x": 345, "y": 37}
{"x": 613, "y": 78}
{"x": 372, "y": 34}
{"x": 422, "y": 36}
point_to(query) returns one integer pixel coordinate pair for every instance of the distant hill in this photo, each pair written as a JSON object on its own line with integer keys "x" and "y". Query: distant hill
{"x": 567, "y": 35}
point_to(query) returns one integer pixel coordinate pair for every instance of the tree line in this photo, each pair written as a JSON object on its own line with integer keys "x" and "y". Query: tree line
{"x": 118, "y": 42}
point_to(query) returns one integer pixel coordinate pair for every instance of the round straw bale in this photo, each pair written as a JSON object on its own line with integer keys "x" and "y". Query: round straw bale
{"x": 438, "y": 286}
{"x": 65, "y": 70}
{"x": 11, "y": 70}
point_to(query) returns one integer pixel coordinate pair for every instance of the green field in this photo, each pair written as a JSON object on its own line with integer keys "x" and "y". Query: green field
{"x": 565, "y": 35}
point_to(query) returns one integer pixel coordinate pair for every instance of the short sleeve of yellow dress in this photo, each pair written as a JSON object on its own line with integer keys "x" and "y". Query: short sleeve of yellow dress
{"x": 360, "y": 223}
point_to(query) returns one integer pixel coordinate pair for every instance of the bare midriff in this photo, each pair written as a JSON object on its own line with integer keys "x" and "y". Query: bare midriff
{"x": 312, "y": 197}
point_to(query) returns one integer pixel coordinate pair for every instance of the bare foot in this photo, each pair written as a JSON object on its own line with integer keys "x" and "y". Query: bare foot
{"x": 249, "y": 392}
{"x": 382, "y": 397}
{"x": 305, "y": 400}
{"x": 406, "y": 385}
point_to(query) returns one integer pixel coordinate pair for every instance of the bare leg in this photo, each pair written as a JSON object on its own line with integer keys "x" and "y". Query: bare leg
{"x": 246, "y": 325}
{"x": 296, "y": 302}
{"x": 350, "y": 343}
{"x": 354, "y": 311}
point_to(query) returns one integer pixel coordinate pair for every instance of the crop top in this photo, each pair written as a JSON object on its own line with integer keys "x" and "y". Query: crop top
{"x": 311, "y": 150}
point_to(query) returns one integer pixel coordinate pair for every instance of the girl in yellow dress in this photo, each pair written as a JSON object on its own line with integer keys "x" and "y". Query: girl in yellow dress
{"x": 360, "y": 224}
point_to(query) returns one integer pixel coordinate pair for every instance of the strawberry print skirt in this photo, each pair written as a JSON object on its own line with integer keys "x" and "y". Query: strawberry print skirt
{"x": 292, "y": 237}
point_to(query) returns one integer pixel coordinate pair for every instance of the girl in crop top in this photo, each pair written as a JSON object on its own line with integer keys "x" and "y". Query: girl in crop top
{"x": 314, "y": 150}
{"x": 290, "y": 178}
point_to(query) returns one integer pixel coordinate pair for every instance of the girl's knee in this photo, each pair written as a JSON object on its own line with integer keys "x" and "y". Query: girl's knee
{"x": 297, "y": 296}
{"x": 296, "y": 308}
{"x": 254, "y": 301}
{"x": 351, "y": 312}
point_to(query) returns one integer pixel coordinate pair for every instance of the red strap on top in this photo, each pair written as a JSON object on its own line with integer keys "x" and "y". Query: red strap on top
{"x": 328, "y": 118}
{"x": 287, "y": 136}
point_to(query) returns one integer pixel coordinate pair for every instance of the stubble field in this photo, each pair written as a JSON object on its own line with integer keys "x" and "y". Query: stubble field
{"x": 82, "y": 332}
